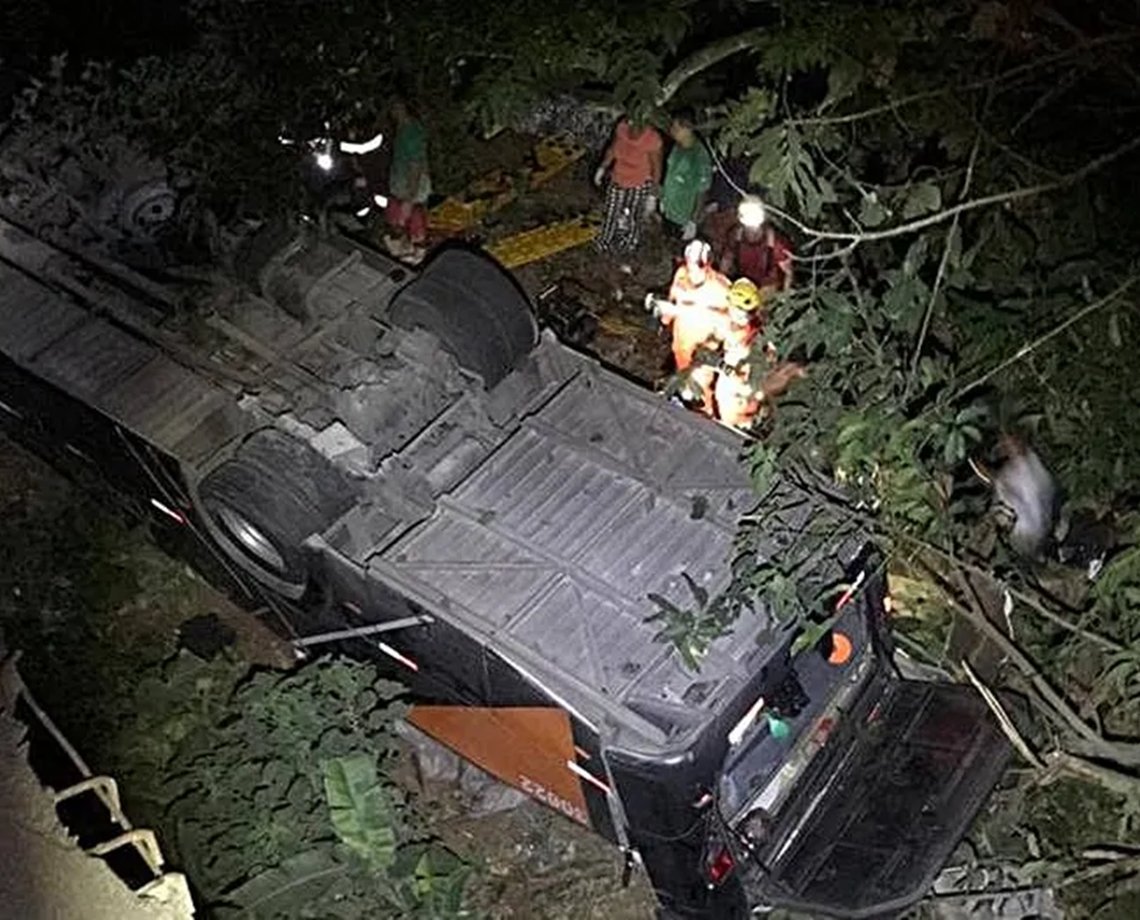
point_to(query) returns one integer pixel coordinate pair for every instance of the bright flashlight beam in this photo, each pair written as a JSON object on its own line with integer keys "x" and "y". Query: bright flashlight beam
{"x": 366, "y": 147}
{"x": 750, "y": 212}
{"x": 325, "y": 161}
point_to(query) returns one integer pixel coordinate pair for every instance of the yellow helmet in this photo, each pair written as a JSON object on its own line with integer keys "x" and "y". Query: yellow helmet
{"x": 744, "y": 295}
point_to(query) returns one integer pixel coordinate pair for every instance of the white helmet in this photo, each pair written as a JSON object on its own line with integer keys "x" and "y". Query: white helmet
{"x": 698, "y": 252}
{"x": 750, "y": 212}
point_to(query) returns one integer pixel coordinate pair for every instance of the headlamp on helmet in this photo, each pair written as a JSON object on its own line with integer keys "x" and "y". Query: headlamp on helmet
{"x": 750, "y": 212}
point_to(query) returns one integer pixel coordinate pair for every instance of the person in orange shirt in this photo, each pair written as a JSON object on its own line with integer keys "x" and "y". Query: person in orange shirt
{"x": 634, "y": 159}
{"x": 696, "y": 312}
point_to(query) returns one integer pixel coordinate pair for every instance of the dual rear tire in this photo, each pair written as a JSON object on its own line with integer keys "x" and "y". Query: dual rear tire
{"x": 265, "y": 502}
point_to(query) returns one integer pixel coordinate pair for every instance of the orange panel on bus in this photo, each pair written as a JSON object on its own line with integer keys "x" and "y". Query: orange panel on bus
{"x": 526, "y": 747}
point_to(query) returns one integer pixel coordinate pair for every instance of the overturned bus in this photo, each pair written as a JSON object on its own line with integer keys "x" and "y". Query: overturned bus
{"x": 405, "y": 459}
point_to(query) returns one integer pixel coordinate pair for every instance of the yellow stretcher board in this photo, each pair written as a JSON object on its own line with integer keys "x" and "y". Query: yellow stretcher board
{"x": 498, "y": 188}
{"x": 541, "y": 242}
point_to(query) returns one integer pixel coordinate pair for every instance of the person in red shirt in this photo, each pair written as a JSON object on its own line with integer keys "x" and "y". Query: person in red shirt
{"x": 754, "y": 250}
{"x": 634, "y": 159}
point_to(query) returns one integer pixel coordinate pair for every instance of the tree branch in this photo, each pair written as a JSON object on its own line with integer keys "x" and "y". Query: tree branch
{"x": 1066, "y": 83}
{"x": 706, "y": 57}
{"x": 814, "y": 482}
{"x": 931, "y": 220}
{"x": 1114, "y": 781}
{"x": 1015, "y": 737}
{"x": 894, "y": 105}
{"x": 1026, "y": 350}
{"x": 946, "y": 247}
{"x": 1124, "y": 753}
{"x": 1103, "y": 642}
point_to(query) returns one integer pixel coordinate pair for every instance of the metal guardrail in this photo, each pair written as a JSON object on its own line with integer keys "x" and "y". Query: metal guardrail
{"x": 168, "y": 887}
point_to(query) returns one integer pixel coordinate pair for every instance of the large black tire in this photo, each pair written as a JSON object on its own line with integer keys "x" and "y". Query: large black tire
{"x": 263, "y": 503}
{"x": 474, "y": 308}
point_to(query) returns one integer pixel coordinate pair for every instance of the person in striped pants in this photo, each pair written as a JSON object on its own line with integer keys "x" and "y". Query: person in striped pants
{"x": 634, "y": 159}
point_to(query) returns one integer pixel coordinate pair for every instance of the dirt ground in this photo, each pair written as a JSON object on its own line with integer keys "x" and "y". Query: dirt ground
{"x": 611, "y": 288}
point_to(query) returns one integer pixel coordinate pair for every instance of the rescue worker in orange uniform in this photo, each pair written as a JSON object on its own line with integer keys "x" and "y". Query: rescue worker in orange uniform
{"x": 738, "y": 395}
{"x": 697, "y": 312}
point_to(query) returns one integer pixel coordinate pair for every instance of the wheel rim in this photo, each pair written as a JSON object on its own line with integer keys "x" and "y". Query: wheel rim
{"x": 250, "y": 538}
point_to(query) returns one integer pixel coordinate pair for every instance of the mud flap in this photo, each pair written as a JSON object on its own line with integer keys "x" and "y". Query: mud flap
{"x": 872, "y": 839}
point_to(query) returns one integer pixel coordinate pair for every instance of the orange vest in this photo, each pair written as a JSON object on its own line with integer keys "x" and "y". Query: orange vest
{"x": 698, "y": 313}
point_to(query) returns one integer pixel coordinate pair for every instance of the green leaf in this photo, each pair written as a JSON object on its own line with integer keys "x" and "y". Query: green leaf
{"x": 955, "y": 447}
{"x": 778, "y": 154}
{"x": 871, "y": 212}
{"x": 916, "y": 255}
{"x": 843, "y": 78}
{"x": 1114, "y": 331}
{"x": 667, "y": 608}
{"x": 922, "y": 199}
{"x": 297, "y": 881}
{"x": 700, "y": 594}
{"x": 971, "y": 413}
{"x": 762, "y": 468}
{"x": 835, "y": 302}
{"x": 811, "y": 634}
{"x": 954, "y": 248}
{"x": 853, "y": 429}
{"x": 360, "y": 808}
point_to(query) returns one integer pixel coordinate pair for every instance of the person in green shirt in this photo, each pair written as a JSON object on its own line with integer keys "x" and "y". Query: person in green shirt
{"x": 688, "y": 175}
{"x": 408, "y": 180}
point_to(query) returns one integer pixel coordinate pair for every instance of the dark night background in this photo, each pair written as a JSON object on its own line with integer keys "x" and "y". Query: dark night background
{"x": 959, "y": 180}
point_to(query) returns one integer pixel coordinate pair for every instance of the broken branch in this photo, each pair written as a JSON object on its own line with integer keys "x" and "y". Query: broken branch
{"x": 703, "y": 59}
{"x": 1055, "y": 705}
{"x": 1015, "y": 737}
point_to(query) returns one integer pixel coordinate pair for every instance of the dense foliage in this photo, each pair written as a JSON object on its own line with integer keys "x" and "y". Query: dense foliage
{"x": 277, "y": 795}
{"x": 967, "y": 265}
{"x": 271, "y": 790}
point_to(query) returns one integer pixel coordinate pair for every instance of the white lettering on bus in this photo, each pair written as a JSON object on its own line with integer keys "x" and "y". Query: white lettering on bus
{"x": 555, "y": 801}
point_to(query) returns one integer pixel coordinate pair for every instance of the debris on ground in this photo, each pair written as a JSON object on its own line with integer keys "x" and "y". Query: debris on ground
{"x": 957, "y": 895}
